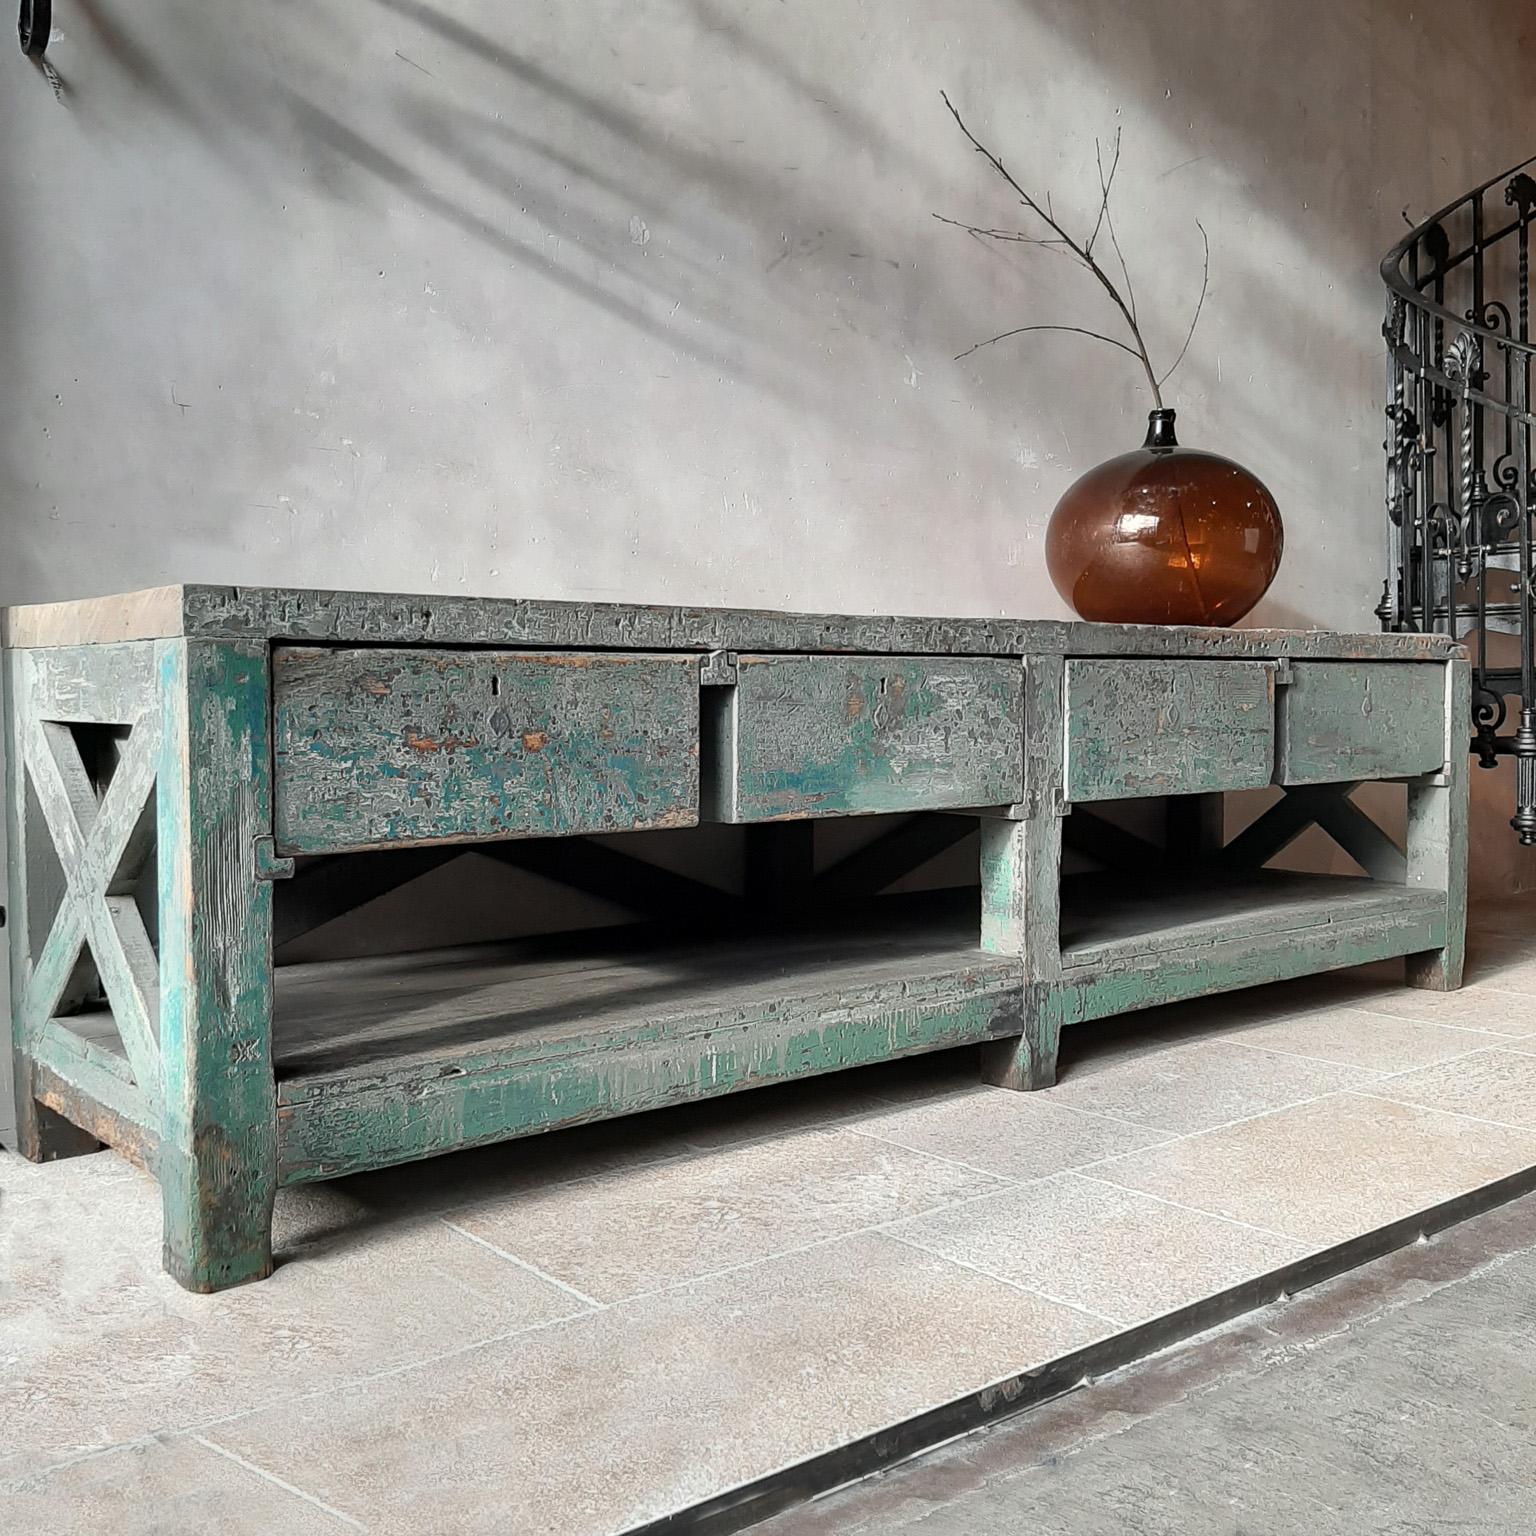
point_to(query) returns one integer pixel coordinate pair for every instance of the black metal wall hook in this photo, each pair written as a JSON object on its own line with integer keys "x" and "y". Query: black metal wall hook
{"x": 33, "y": 26}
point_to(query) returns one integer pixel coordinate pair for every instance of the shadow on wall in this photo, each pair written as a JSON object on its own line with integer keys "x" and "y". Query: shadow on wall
{"x": 653, "y": 222}
{"x": 663, "y": 197}
{"x": 722, "y": 208}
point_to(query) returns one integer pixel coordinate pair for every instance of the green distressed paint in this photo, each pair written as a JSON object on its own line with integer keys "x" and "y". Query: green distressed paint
{"x": 98, "y": 1074}
{"x": 1154, "y": 979}
{"x": 1137, "y": 728}
{"x": 845, "y": 736}
{"x": 1064, "y": 712}
{"x": 378, "y": 748}
{"x": 389, "y": 1122}
{"x": 1340, "y": 720}
{"x": 218, "y": 1153}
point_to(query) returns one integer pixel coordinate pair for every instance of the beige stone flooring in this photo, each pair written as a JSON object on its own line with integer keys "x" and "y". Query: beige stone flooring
{"x": 588, "y": 1330}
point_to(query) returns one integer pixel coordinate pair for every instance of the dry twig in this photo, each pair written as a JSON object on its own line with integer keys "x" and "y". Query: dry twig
{"x": 1081, "y": 251}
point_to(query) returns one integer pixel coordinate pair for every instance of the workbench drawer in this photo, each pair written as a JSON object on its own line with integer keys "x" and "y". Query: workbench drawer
{"x": 799, "y": 736}
{"x": 1137, "y": 728}
{"x": 374, "y": 748}
{"x": 1341, "y": 720}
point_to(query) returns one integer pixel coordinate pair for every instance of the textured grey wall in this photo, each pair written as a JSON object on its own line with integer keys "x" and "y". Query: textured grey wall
{"x": 641, "y": 299}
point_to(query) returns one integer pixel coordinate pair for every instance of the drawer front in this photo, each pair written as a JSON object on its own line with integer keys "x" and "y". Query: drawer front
{"x": 805, "y": 736}
{"x": 377, "y": 748}
{"x": 1137, "y": 728}
{"x": 1340, "y": 720}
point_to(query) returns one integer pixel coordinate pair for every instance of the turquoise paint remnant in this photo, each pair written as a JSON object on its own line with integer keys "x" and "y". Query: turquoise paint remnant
{"x": 1341, "y": 720}
{"x": 373, "y": 1123}
{"x": 218, "y": 1150}
{"x": 863, "y": 735}
{"x": 382, "y": 748}
{"x": 1136, "y": 728}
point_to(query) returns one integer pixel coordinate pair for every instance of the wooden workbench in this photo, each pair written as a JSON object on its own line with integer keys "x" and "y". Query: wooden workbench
{"x": 193, "y": 770}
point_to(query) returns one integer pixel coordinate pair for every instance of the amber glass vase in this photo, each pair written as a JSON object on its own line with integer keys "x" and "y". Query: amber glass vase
{"x": 1164, "y": 535}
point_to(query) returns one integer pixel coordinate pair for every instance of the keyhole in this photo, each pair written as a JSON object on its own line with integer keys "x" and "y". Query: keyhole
{"x": 495, "y": 687}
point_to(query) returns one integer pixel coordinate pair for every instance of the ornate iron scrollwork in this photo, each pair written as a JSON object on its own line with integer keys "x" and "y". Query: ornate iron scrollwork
{"x": 1460, "y": 456}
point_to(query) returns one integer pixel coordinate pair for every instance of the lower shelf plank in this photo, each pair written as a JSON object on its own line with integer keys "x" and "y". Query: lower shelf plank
{"x": 1145, "y": 981}
{"x": 1107, "y": 918}
{"x": 500, "y": 1044}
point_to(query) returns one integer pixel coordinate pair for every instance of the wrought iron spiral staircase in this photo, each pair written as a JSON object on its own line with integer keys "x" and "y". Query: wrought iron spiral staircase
{"x": 1460, "y": 479}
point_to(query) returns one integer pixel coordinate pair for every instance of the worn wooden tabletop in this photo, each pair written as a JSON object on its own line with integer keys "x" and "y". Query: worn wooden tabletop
{"x": 282, "y": 613}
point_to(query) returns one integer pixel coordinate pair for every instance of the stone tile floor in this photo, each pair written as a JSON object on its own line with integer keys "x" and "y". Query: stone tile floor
{"x": 1396, "y": 1400}
{"x": 585, "y": 1331}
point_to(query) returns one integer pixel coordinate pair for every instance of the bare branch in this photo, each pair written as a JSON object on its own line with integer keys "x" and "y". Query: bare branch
{"x": 1009, "y": 236}
{"x": 1125, "y": 271}
{"x": 1205, "y": 280}
{"x": 1020, "y": 330}
{"x": 1105, "y": 183}
{"x": 1080, "y": 251}
{"x": 1107, "y": 218}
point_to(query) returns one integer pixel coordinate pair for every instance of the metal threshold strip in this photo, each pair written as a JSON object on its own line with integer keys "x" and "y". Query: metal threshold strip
{"x": 738, "y": 1508}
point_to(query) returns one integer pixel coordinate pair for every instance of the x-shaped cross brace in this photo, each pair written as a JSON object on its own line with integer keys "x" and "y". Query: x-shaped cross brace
{"x": 102, "y": 848}
{"x": 1325, "y": 805}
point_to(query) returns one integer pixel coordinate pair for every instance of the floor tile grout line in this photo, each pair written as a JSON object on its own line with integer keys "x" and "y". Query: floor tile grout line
{"x": 695, "y": 1149}
{"x": 1461, "y": 1029}
{"x": 1196, "y": 1210}
{"x": 1045, "y": 1096}
{"x": 1492, "y": 1043}
{"x": 74, "y": 1458}
{"x": 1454, "y": 1114}
{"x": 508, "y": 1335}
{"x": 1005, "y": 1186}
{"x": 369, "y": 1377}
{"x": 877, "y": 1229}
{"x": 1114, "y": 1323}
{"x": 272, "y": 1477}
{"x": 1378, "y": 1074}
{"x": 1207, "y": 1130}
{"x": 874, "y": 1229}
{"x": 1364, "y": 1091}
{"x": 533, "y": 1269}
{"x": 953, "y": 1162}
{"x": 1099, "y": 1114}
{"x": 1378, "y": 1010}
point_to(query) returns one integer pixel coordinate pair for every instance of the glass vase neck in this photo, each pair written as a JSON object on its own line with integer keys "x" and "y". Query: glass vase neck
{"x": 1160, "y": 430}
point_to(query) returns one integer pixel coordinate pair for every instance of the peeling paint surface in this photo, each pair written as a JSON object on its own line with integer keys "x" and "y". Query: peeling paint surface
{"x": 381, "y": 748}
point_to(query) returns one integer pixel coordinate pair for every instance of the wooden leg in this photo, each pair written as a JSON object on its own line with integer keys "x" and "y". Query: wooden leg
{"x": 218, "y": 1156}
{"x": 1020, "y": 915}
{"x": 1437, "y": 842}
{"x": 1028, "y": 1061}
